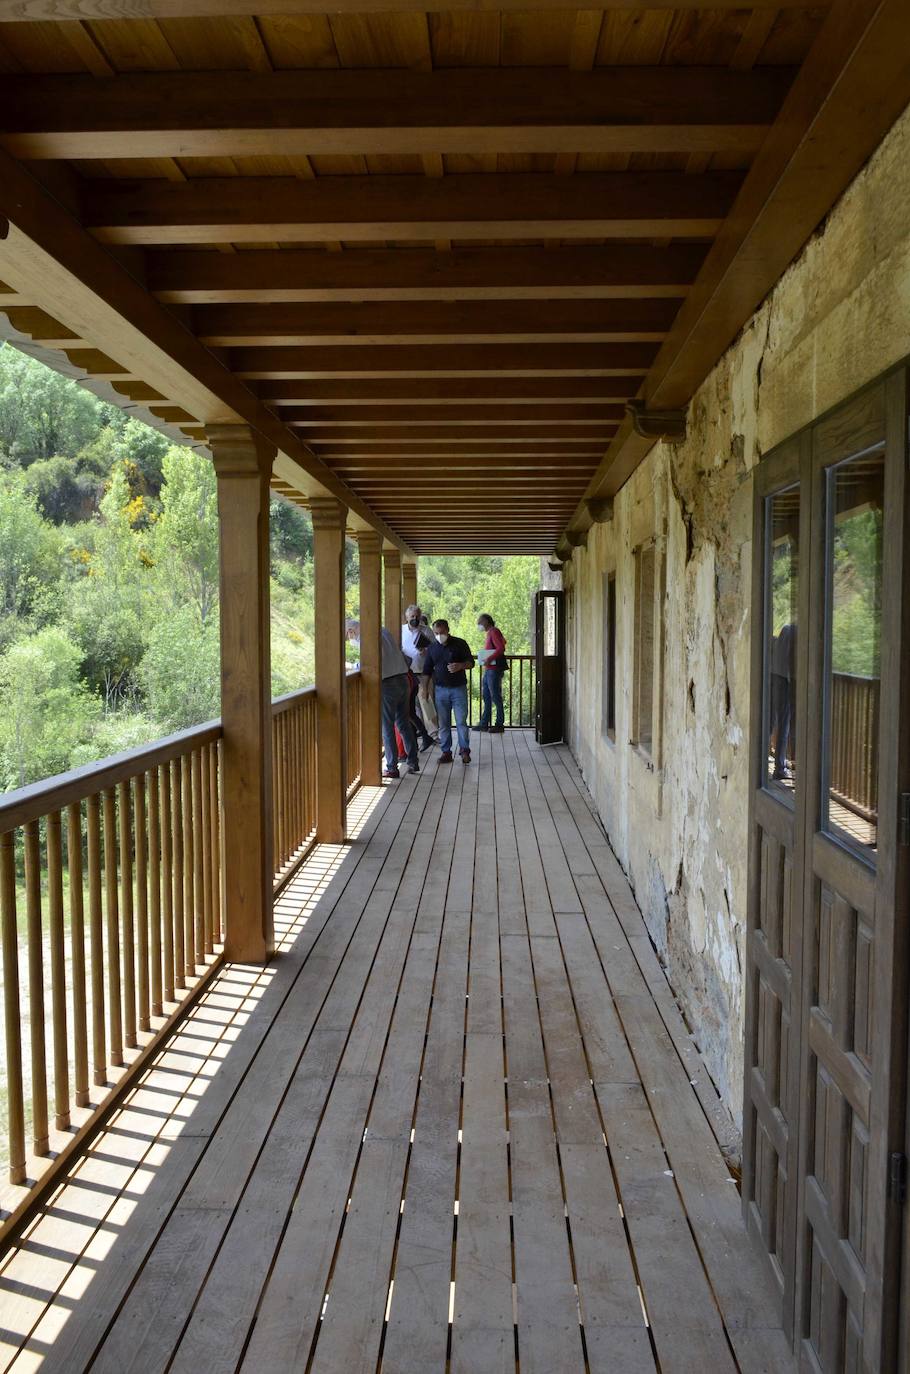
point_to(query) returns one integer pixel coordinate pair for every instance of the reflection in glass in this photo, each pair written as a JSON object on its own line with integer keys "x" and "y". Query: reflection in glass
{"x": 853, "y": 567}
{"x": 782, "y": 594}
{"x": 549, "y": 627}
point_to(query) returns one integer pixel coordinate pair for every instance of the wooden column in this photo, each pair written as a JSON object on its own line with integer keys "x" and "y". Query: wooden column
{"x": 391, "y": 611}
{"x": 409, "y": 584}
{"x": 243, "y": 464}
{"x": 370, "y": 545}
{"x": 331, "y": 771}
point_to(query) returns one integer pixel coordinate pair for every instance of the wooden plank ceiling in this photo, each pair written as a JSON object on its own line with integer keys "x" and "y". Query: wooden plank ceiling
{"x": 437, "y": 251}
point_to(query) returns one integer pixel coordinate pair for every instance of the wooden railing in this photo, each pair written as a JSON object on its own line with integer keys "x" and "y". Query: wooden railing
{"x": 353, "y": 709}
{"x": 111, "y": 913}
{"x": 293, "y": 775}
{"x": 110, "y": 908}
{"x": 853, "y": 778}
{"x": 518, "y": 691}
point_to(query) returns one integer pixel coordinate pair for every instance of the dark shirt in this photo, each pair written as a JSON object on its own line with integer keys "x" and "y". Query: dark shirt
{"x": 439, "y": 656}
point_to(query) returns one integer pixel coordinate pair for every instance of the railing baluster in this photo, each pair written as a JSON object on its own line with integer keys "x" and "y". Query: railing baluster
{"x": 113, "y": 927}
{"x": 142, "y": 900}
{"x": 206, "y": 802}
{"x": 36, "y": 988}
{"x": 214, "y": 775}
{"x": 96, "y": 939}
{"x": 77, "y": 945}
{"x": 177, "y": 873}
{"x": 126, "y": 915}
{"x": 198, "y": 860}
{"x": 154, "y": 823}
{"x": 167, "y": 882}
{"x": 11, "y": 1009}
{"x": 58, "y": 971}
{"x": 189, "y": 950}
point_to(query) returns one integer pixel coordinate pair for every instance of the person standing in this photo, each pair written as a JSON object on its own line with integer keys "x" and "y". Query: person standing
{"x": 396, "y": 700}
{"x": 415, "y": 640}
{"x": 492, "y": 667}
{"x": 446, "y": 666}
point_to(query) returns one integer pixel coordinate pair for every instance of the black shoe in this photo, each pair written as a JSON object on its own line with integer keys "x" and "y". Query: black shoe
{"x": 497, "y": 729}
{"x": 478, "y": 728}
{"x": 427, "y": 744}
{"x": 393, "y": 777}
{"x": 413, "y": 768}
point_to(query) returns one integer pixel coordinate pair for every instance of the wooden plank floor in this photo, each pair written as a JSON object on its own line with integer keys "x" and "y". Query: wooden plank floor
{"x": 457, "y": 1125}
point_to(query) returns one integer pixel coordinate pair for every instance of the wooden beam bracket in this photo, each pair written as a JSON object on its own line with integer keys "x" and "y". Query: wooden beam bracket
{"x": 600, "y": 509}
{"x": 657, "y": 424}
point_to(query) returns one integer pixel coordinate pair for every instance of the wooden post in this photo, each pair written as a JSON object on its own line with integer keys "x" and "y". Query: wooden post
{"x": 409, "y": 584}
{"x": 391, "y": 613}
{"x": 243, "y": 464}
{"x": 370, "y": 545}
{"x": 331, "y": 770}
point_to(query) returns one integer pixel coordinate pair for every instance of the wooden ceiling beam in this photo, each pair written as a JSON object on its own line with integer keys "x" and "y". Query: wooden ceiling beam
{"x": 13, "y": 11}
{"x": 369, "y": 392}
{"x": 262, "y": 276}
{"x": 386, "y": 463}
{"x": 467, "y": 111}
{"x": 366, "y": 418}
{"x": 662, "y": 205}
{"x": 392, "y": 322}
{"x": 352, "y": 360}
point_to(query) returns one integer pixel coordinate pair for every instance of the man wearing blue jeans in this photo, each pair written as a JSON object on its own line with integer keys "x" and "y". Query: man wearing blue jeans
{"x": 447, "y": 662}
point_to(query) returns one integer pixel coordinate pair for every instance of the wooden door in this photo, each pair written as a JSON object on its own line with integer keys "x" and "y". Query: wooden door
{"x": 550, "y": 648}
{"x": 827, "y": 946}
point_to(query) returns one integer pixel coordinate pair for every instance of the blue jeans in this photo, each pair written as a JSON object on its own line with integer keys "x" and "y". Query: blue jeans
{"x": 491, "y": 691}
{"x": 449, "y": 699}
{"x": 396, "y": 710}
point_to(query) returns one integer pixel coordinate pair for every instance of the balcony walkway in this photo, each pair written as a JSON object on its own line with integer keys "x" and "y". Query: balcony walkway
{"x": 456, "y": 1122}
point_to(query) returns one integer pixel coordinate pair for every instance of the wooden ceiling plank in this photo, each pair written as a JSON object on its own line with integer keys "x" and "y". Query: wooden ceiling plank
{"x": 387, "y": 112}
{"x": 274, "y": 209}
{"x": 459, "y": 434}
{"x": 852, "y": 87}
{"x": 417, "y": 420}
{"x": 430, "y": 391}
{"x": 427, "y": 359}
{"x": 620, "y": 270}
{"x": 340, "y": 322}
{"x": 17, "y": 11}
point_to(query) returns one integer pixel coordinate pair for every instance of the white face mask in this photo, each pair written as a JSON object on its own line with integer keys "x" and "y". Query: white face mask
{"x": 441, "y": 639}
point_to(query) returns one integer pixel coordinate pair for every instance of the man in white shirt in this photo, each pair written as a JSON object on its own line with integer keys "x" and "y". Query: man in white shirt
{"x": 416, "y": 638}
{"x": 396, "y": 704}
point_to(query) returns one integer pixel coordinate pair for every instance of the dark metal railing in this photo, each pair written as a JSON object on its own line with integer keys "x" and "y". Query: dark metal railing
{"x": 519, "y": 686}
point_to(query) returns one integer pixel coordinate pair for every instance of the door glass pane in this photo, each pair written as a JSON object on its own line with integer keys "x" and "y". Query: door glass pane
{"x": 781, "y": 601}
{"x": 853, "y": 569}
{"x": 549, "y": 626}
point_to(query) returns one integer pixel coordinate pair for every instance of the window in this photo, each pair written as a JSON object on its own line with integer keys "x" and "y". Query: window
{"x": 781, "y": 601}
{"x": 608, "y": 681}
{"x": 853, "y": 570}
{"x": 647, "y": 685}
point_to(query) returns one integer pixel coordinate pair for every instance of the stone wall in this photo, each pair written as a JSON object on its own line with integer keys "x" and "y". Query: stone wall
{"x": 838, "y": 318}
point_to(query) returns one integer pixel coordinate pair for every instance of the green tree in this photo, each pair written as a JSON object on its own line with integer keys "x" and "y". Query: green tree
{"x": 41, "y": 412}
{"x": 180, "y": 672}
{"x": 47, "y": 709}
{"x": 185, "y": 538}
{"x": 30, "y": 555}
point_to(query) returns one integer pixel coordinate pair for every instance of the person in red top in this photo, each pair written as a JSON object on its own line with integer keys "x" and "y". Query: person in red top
{"x": 491, "y": 682}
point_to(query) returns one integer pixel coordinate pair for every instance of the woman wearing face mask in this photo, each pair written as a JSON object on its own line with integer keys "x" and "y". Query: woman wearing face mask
{"x": 446, "y": 665}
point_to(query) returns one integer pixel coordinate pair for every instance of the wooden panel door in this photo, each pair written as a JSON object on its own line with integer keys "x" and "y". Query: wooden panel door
{"x": 776, "y": 838}
{"x": 550, "y": 647}
{"x": 826, "y": 1041}
{"x": 853, "y": 1029}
